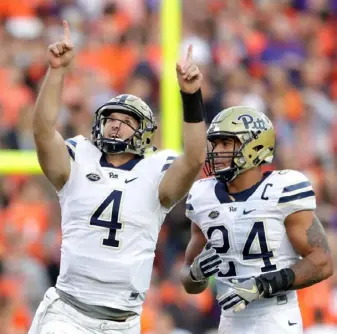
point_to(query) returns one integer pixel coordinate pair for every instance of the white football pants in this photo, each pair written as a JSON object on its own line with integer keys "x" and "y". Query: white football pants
{"x": 55, "y": 317}
{"x": 282, "y": 319}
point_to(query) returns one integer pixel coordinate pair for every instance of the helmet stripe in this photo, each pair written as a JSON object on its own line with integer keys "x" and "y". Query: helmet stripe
{"x": 123, "y": 98}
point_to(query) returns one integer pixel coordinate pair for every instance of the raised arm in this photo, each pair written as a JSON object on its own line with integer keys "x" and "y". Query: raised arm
{"x": 51, "y": 149}
{"x": 185, "y": 169}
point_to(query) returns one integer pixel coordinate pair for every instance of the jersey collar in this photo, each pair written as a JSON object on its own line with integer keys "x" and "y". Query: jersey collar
{"x": 127, "y": 166}
{"x": 221, "y": 191}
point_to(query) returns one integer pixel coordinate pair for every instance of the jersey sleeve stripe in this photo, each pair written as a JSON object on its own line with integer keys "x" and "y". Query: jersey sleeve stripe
{"x": 71, "y": 147}
{"x": 168, "y": 163}
{"x": 296, "y": 186}
{"x": 305, "y": 194}
{"x": 71, "y": 153}
{"x": 189, "y": 207}
{"x": 72, "y": 142}
{"x": 166, "y": 167}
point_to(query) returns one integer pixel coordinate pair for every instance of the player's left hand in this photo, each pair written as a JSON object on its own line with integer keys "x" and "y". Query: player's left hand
{"x": 241, "y": 295}
{"x": 188, "y": 74}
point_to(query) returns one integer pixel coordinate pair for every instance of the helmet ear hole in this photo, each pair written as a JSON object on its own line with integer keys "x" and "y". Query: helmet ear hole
{"x": 258, "y": 148}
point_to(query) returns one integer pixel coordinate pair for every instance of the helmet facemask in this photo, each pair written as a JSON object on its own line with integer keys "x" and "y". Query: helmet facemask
{"x": 113, "y": 144}
{"x": 235, "y": 156}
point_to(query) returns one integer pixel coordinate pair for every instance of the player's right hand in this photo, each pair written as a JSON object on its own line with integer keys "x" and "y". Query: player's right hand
{"x": 188, "y": 74}
{"x": 61, "y": 53}
{"x": 205, "y": 264}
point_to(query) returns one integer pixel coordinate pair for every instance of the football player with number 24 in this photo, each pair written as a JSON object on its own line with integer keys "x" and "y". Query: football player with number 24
{"x": 256, "y": 232}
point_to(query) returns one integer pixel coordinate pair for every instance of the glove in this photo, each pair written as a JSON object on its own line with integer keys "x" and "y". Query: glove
{"x": 241, "y": 295}
{"x": 205, "y": 264}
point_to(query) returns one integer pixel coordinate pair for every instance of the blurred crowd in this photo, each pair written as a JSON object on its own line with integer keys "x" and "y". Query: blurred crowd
{"x": 277, "y": 56}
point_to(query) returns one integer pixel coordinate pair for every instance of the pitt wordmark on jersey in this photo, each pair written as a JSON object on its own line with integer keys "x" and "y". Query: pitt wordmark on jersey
{"x": 111, "y": 218}
{"x": 247, "y": 229}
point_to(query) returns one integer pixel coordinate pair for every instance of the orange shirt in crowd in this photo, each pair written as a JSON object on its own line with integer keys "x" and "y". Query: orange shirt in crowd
{"x": 30, "y": 221}
{"x": 316, "y": 297}
{"x": 17, "y": 315}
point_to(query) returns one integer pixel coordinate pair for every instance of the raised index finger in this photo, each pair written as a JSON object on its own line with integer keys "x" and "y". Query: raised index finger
{"x": 189, "y": 54}
{"x": 66, "y": 30}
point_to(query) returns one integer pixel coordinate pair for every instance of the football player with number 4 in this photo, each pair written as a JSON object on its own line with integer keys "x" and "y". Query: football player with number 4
{"x": 256, "y": 232}
{"x": 113, "y": 198}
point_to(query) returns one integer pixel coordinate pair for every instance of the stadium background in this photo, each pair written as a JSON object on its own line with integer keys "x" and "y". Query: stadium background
{"x": 278, "y": 56}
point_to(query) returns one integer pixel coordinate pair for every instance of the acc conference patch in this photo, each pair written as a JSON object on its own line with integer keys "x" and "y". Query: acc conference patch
{"x": 214, "y": 214}
{"x": 93, "y": 177}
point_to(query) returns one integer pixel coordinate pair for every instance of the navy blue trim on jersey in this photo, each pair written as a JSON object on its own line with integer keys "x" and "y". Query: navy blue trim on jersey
{"x": 221, "y": 191}
{"x": 168, "y": 163}
{"x": 305, "y": 194}
{"x": 296, "y": 186}
{"x": 127, "y": 166}
{"x": 166, "y": 167}
{"x": 71, "y": 153}
{"x": 189, "y": 207}
{"x": 72, "y": 142}
{"x": 71, "y": 145}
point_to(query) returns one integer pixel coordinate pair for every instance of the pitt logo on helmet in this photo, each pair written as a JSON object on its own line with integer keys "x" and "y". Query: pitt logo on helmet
{"x": 251, "y": 124}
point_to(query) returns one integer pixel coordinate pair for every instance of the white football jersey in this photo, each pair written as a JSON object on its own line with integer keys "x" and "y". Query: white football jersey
{"x": 111, "y": 218}
{"x": 249, "y": 233}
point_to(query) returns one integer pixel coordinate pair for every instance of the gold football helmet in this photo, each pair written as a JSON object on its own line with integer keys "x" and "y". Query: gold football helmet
{"x": 141, "y": 141}
{"x": 253, "y": 130}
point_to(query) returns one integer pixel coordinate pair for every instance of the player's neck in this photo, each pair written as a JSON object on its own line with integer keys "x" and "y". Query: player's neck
{"x": 245, "y": 180}
{"x": 119, "y": 159}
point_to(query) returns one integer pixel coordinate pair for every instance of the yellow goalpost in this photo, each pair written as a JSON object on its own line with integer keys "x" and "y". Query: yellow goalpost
{"x": 171, "y": 115}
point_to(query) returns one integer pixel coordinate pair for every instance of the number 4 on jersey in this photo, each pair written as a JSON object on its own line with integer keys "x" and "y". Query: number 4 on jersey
{"x": 106, "y": 216}
{"x": 265, "y": 254}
